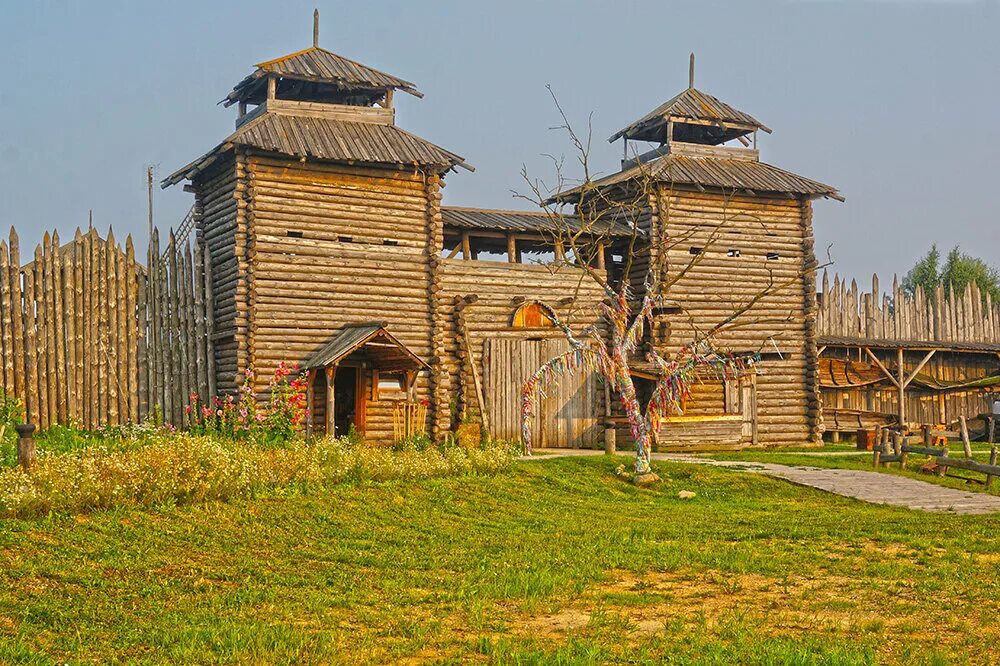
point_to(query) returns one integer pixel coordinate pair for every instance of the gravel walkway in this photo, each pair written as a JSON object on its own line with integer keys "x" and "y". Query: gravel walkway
{"x": 872, "y": 487}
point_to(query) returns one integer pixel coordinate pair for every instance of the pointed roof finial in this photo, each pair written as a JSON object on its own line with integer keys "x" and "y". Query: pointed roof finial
{"x": 315, "y": 27}
{"x": 691, "y": 72}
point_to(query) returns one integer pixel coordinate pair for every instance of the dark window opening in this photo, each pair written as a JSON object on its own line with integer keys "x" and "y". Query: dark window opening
{"x": 294, "y": 234}
{"x": 696, "y": 250}
{"x": 345, "y": 239}
{"x": 390, "y": 241}
{"x": 772, "y": 256}
{"x": 733, "y": 252}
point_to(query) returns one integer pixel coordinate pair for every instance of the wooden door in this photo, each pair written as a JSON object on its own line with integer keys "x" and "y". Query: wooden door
{"x": 568, "y": 415}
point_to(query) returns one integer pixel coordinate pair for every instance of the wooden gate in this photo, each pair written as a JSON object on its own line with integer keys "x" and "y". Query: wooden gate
{"x": 569, "y": 415}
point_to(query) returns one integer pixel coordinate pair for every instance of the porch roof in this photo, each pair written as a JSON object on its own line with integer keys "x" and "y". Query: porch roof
{"x": 373, "y": 339}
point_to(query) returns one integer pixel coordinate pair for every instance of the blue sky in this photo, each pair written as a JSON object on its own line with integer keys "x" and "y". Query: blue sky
{"x": 895, "y": 103}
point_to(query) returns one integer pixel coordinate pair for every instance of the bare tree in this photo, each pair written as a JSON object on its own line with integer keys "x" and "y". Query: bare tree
{"x": 600, "y": 211}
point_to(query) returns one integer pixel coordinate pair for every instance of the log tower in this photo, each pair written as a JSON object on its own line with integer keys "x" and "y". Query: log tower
{"x": 322, "y": 219}
{"x": 748, "y": 225}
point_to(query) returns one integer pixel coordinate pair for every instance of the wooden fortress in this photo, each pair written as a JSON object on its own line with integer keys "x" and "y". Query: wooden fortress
{"x": 330, "y": 247}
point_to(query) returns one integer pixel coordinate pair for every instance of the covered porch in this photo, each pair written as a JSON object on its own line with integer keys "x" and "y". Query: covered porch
{"x": 363, "y": 372}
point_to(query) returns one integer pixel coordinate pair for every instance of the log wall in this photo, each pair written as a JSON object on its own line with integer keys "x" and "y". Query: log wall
{"x": 91, "y": 337}
{"x": 499, "y": 288}
{"x": 780, "y": 325}
{"x": 331, "y": 245}
{"x": 221, "y": 227}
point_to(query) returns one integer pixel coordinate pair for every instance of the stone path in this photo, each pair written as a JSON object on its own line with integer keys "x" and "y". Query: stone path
{"x": 872, "y": 487}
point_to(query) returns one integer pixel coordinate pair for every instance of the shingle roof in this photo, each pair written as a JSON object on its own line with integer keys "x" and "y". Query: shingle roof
{"x": 527, "y": 221}
{"x": 714, "y": 172}
{"x": 356, "y": 336}
{"x": 327, "y": 139}
{"x": 318, "y": 64}
{"x": 691, "y": 104}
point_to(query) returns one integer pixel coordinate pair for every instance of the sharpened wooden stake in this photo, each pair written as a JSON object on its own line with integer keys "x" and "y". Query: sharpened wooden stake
{"x": 315, "y": 27}
{"x": 691, "y": 72}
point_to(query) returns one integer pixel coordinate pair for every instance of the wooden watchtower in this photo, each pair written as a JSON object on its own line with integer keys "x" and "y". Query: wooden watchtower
{"x": 749, "y": 224}
{"x": 320, "y": 215}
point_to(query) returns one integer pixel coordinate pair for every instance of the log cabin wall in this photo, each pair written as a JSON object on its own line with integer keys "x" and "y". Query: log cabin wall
{"x": 497, "y": 284}
{"x": 333, "y": 245}
{"x": 733, "y": 268}
{"x": 221, "y": 225}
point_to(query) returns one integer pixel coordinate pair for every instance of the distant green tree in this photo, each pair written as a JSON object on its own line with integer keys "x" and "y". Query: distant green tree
{"x": 925, "y": 274}
{"x": 959, "y": 270}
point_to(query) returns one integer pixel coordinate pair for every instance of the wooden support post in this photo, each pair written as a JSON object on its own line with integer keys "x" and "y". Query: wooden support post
{"x": 901, "y": 386}
{"x": 466, "y": 246}
{"x": 942, "y": 469}
{"x": 331, "y": 423}
{"x": 26, "y": 455}
{"x": 272, "y": 86}
{"x": 512, "y": 249}
{"x": 310, "y": 402}
{"x": 964, "y": 430}
{"x": 993, "y": 461}
{"x": 600, "y": 256}
{"x": 927, "y": 435}
{"x": 991, "y": 423}
{"x": 876, "y": 457}
{"x": 560, "y": 252}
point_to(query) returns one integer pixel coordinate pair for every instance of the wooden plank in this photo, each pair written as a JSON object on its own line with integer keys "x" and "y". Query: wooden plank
{"x": 7, "y": 321}
{"x": 963, "y": 428}
{"x": 111, "y": 388}
{"x": 79, "y": 341}
{"x": 69, "y": 303}
{"x": 198, "y": 285}
{"x": 32, "y": 393}
{"x": 17, "y": 316}
{"x": 41, "y": 339}
{"x": 210, "y": 328}
{"x": 190, "y": 360}
{"x": 59, "y": 328}
{"x": 132, "y": 333}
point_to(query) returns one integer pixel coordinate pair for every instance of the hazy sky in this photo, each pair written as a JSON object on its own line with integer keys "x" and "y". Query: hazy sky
{"x": 895, "y": 103}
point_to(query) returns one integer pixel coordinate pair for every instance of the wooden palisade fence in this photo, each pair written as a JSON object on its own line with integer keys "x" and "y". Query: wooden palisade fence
{"x": 91, "y": 337}
{"x": 967, "y": 316}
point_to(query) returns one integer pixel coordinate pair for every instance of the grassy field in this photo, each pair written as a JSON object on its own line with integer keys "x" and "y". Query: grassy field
{"x": 556, "y": 562}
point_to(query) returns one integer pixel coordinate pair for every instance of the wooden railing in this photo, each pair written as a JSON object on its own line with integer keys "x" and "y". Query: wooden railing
{"x": 408, "y": 419}
{"x": 902, "y": 447}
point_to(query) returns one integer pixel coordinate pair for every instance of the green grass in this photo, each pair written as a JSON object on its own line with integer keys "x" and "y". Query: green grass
{"x": 556, "y": 562}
